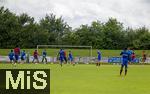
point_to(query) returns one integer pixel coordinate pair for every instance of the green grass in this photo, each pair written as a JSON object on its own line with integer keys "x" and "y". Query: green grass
{"x": 78, "y": 52}
{"x": 88, "y": 79}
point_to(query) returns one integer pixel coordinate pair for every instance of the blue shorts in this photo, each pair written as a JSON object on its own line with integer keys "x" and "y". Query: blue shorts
{"x": 71, "y": 59}
{"x": 99, "y": 59}
{"x": 125, "y": 63}
{"x": 22, "y": 58}
{"x": 61, "y": 59}
{"x": 17, "y": 57}
{"x": 11, "y": 59}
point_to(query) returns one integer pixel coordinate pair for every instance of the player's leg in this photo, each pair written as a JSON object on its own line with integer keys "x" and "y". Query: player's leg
{"x": 22, "y": 60}
{"x": 16, "y": 58}
{"x": 72, "y": 61}
{"x": 45, "y": 59}
{"x": 99, "y": 63}
{"x": 65, "y": 60}
{"x": 11, "y": 60}
{"x": 144, "y": 59}
{"x": 126, "y": 67}
{"x": 42, "y": 59}
{"x": 96, "y": 63}
{"x": 61, "y": 61}
{"x": 122, "y": 65}
{"x": 33, "y": 60}
{"x": 37, "y": 60}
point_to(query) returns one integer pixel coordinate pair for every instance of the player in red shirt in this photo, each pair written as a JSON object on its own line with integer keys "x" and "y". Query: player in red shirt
{"x": 143, "y": 56}
{"x": 133, "y": 57}
{"x": 35, "y": 57}
{"x": 17, "y": 53}
{"x": 65, "y": 57}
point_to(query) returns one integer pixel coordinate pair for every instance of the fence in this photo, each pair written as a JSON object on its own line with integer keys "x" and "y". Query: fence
{"x": 84, "y": 60}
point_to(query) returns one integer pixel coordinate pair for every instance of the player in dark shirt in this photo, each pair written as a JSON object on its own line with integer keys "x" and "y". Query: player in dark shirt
{"x": 35, "y": 57}
{"x": 44, "y": 54}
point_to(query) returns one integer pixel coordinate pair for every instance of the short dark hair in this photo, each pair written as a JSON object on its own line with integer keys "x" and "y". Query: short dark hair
{"x": 125, "y": 48}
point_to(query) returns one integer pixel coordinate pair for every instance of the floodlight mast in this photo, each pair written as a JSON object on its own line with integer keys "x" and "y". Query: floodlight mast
{"x": 67, "y": 46}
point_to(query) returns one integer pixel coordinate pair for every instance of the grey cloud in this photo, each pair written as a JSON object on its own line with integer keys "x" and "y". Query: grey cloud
{"x": 132, "y": 13}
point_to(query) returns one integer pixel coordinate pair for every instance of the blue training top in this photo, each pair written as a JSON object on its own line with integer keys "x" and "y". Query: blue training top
{"x": 99, "y": 55}
{"x": 23, "y": 54}
{"x": 44, "y": 53}
{"x": 11, "y": 55}
{"x": 130, "y": 52}
{"x": 125, "y": 55}
{"x": 70, "y": 56}
{"x": 61, "y": 53}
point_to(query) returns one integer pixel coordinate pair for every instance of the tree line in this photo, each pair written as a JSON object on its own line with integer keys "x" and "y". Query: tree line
{"x": 24, "y": 31}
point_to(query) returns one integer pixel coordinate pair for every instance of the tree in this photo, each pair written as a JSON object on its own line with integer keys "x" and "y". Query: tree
{"x": 142, "y": 40}
{"x": 55, "y": 26}
{"x": 114, "y": 35}
{"x": 22, "y": 30}
{"x": 8, "y": 24}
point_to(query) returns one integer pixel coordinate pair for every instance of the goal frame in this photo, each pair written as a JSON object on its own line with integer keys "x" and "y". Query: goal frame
{"x": 67, "y": 46}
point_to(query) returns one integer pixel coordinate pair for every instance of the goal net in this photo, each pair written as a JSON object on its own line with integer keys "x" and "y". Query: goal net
{"x": 81, "y": 54}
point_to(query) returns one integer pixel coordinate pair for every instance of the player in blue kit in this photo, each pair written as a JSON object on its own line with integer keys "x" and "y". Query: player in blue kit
{"x": 23, "y": 56}
{"x": 125, "y": 59}
{"x": 44, "y": 54}
{"x": 61, "y": 56}
{"x": 98, "y": 58}
{"x": 11, "y": 56}
{"x": 70, "y": 58}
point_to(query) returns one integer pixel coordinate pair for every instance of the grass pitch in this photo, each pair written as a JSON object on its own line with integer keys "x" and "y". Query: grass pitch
{"x": 88, "y": 79}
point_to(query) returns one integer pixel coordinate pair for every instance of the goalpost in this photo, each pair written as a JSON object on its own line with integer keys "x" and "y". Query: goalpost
{"x": 66, "y": 46}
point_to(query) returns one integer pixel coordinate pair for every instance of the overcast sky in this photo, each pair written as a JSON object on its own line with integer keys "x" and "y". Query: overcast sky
{"x": 133, "y": 13}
